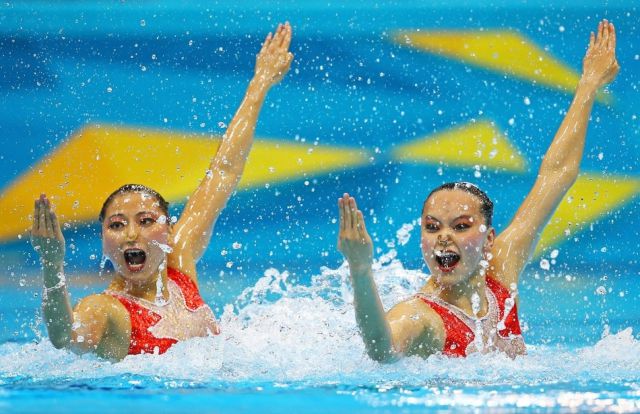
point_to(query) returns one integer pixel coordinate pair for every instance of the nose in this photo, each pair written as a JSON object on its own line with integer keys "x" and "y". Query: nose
{"x": 132, "y": 232}
{"x": 443, "y": 240}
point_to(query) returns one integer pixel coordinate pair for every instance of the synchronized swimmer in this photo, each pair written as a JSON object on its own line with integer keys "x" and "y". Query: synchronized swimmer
{"x": 469, "y": 304}
{"x": 153, "y": 300}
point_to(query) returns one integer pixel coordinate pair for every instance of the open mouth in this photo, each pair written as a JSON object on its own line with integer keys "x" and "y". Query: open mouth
{"x": 447, "y": 260}
{"x": 135, "y": 259}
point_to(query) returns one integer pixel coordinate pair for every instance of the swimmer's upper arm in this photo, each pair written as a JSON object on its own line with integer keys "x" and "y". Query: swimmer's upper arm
{"x": 101, "y": 325}
{"x": 515, "y": 245}
{"x": 415, "y": 328}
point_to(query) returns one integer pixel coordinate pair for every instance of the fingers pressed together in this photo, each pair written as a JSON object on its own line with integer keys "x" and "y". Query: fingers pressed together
{"x": 605, "y": 37}
{"x": 280, "y": 40}
{"x": 351, "y": 219}
{"x": 45, "y": 222}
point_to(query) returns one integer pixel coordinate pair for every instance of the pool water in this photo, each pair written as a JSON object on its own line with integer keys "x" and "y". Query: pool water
{"x": 293, "y": 345}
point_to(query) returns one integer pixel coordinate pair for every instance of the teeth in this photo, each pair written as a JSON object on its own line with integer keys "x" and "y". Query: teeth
{"x": 135, "y": 256}
{"x": 447, "y": 259}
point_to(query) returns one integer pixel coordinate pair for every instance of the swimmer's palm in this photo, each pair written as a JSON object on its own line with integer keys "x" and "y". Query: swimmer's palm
{"x": 356, "y": 245}
{"x": 274, "y": 59}
{"x": 600, "y": 65}
{"x": 46, "y": 236}
{"x": 51, "y": 249}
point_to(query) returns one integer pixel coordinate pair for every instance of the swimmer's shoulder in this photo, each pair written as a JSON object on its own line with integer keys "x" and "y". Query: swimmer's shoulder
{"x": 183, "y": 263}
{"x": 418, "y": 325}
{"x": 102, "y": 324}
{"x": 507, "y": 261}
{"x": 104, "y": 306}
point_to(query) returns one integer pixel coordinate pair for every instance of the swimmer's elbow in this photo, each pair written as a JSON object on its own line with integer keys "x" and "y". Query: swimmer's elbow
{"x": 60, "y": 341}
{"x": 383, "y": 356}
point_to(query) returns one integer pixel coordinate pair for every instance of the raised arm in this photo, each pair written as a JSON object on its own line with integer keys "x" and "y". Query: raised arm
{"x": 97, "y": 324}
{"x": 387, "y": 336}
{"x": 48, "y": 242}
{"x": 193, "y": 230}
{"x": 561, "y": 163}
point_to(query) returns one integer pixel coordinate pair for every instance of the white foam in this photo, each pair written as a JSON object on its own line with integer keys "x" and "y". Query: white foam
{"x": 281, "y": 331}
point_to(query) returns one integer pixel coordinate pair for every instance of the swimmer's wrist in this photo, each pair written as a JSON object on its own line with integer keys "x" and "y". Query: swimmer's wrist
{"x": 53, "y": 266}
{"x": 259, "y": 85}
{"x": 57, "y": 282}
{"x": 590, "y": 85}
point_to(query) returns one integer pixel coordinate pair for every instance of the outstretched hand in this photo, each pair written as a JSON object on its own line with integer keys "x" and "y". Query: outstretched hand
{"x": 274, "y": 59}
{"x": 46, "y": 236}
{"x": 600, "y": 66}
{"x": 353, "y": 240}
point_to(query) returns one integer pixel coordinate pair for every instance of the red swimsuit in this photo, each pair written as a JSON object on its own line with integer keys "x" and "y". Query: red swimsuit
{"x": 498, "y": 331}
{"x": 156, "y": 327}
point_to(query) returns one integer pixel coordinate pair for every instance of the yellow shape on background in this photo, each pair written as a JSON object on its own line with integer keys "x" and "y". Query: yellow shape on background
{"x": 500, "y": 51}
{"x": 591, "y": 197}
{"x": 478, "y": 143}
{"x": 84, "y": 170}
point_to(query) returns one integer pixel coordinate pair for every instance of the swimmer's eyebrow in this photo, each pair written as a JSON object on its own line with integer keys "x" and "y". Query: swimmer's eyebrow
{"x": 117, "y": 215}
{"x": 462, "y": 217}
{"x": 151, "y": 213}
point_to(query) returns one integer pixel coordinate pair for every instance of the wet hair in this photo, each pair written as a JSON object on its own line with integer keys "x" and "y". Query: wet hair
{"x": 135, "y": 188}
{"x": 486, "y": 205}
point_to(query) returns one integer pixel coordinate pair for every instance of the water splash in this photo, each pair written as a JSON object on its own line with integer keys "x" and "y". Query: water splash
{"x": 287, "y": 335}
{"x": 278, "y": 330}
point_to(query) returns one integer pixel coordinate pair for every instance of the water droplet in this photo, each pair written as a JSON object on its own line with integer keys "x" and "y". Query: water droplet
{"x": 544, "y": 264}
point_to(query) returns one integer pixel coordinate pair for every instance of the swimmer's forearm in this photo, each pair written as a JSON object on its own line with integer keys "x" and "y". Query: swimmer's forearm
{"x": 371, "y": 317}
{"x": 56, "y": 307}
{"x": 238, "y": 138}
{"x": 565, "y": 153}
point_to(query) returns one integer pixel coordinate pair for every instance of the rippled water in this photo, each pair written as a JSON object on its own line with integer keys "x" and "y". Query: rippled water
{"x": 295, "y": 346}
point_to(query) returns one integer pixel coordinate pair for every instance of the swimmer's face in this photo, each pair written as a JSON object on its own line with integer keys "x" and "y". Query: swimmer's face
{"x": 454, "y": 236}
{"x": 135, "y": 231}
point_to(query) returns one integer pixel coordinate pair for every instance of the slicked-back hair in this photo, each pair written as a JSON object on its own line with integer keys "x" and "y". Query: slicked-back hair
{"x": 135, "y": 188}
{"x": 486, "y": 205}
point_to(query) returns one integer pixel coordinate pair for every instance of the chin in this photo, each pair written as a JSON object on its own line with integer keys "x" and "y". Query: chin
{"x": 450, "y": 278}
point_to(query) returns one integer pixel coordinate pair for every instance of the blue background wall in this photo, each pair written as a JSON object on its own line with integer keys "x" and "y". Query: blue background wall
{"x": 67, "y": 65}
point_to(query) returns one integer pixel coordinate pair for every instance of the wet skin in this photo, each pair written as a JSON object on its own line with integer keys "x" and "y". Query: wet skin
{"x": 452, "y": 222}
{"x": 457, "y": 250}
{"x": 137, "y": 236}
{"x": 134, "y": 221}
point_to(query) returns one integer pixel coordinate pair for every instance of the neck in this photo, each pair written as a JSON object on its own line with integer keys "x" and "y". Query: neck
{"x": 462, "y": 294}
{"x": 148, "y": 289}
